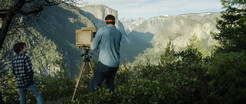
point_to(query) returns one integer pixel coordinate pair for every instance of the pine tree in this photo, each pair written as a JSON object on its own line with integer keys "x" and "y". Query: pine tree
{"x": 232, "y": 26}
{"x": 195, "y": 43}
{"x": 168, "y": 56}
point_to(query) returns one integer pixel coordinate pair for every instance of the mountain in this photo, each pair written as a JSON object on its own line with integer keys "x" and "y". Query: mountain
{"x": 130, "y": 24}
{"x": 151, "y": 36}
{"x": 51, "y": 36}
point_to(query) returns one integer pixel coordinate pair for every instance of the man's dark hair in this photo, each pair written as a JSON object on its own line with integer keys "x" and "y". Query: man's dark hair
{"x": 110, "y": 17}
{"x": 18, "y": 46}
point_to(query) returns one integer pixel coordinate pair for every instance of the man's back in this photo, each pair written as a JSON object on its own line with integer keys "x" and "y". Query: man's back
{"x": 108, "y": 41}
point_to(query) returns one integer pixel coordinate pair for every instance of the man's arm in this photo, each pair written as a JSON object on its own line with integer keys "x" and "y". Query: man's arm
{"x": 96, "y": 41}
{"x": 13, "y": 66}
{"x": 121, "y": 36}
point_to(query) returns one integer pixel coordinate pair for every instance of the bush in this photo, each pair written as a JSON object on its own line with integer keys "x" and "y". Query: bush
{"x": 228, "y": 80}
{"x": 8, "y": 87}
{"x": 54, "y": 87}
{"x": 180, "y": 77}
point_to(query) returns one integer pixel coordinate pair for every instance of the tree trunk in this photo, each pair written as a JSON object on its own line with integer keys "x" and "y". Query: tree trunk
{"x": 7, "y": 20}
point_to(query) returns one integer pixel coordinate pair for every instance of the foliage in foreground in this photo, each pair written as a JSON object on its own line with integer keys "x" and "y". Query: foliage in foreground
{"x": 183, "y": 77}
{"x": 180, "y": 77}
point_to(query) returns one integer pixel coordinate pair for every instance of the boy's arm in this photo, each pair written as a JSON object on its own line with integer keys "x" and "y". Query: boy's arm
{"x": 12, "y": 68}
{"x": 28, "y": 65}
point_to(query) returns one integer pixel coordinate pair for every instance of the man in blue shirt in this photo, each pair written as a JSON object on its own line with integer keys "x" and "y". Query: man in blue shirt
{"x": 107, "y": 40}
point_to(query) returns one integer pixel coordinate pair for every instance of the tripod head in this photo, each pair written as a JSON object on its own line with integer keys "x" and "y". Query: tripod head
{"x": 86, "y": 54}
{"x": 84, "y": 47}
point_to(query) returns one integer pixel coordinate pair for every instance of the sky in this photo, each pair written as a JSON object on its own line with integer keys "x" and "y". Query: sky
{"x": 151, "y": 8}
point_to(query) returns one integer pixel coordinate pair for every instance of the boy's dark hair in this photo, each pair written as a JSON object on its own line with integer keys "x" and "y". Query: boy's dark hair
{"x": 110, "y": 17}
{"x": 18, "y": 46}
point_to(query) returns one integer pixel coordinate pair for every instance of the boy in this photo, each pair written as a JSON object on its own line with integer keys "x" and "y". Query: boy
{"x": 23, "y": 72}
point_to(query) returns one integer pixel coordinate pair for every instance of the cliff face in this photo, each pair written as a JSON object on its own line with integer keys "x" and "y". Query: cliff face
{"x": 97, "y": 13}
{"x": 58, "y": 24}
{"x": 51, "y": 40}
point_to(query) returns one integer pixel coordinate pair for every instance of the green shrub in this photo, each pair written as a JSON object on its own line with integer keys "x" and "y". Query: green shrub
{"x": 54, "y": 87}
{"x": 228, "y": 80}
{"x": 8, "y": 87}
{"x": 180, "y": 78}
{"x": 186, "y": 77}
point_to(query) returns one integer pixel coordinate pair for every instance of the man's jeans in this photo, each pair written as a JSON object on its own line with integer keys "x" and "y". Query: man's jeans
{"x": 103, "y": 72}
{"x": 33, "y": 88}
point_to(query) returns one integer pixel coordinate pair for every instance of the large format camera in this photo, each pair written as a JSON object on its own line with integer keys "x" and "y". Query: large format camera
{"x": 84, "y": 37}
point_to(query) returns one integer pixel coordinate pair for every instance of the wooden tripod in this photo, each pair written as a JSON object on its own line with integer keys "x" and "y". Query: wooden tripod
{"x": 86, "y": 63}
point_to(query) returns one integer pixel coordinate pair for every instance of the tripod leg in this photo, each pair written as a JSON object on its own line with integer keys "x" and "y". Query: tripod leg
{"x": 89, "y": 63}
{"x": 86, "y": 80}
{"x": 78, "y": 79}
{"x": 91, "y": 68}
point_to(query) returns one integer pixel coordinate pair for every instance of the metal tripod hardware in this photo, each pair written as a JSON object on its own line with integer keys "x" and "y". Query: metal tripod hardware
{"x": 86, "y": 62}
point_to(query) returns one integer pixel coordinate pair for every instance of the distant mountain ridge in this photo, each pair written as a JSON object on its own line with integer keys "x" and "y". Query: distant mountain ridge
{"x": 130, "y": 24}
{"x": 155, "y": 32}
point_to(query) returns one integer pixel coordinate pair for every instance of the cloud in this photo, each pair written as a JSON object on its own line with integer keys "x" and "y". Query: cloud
{"x": 150, "y": 8}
